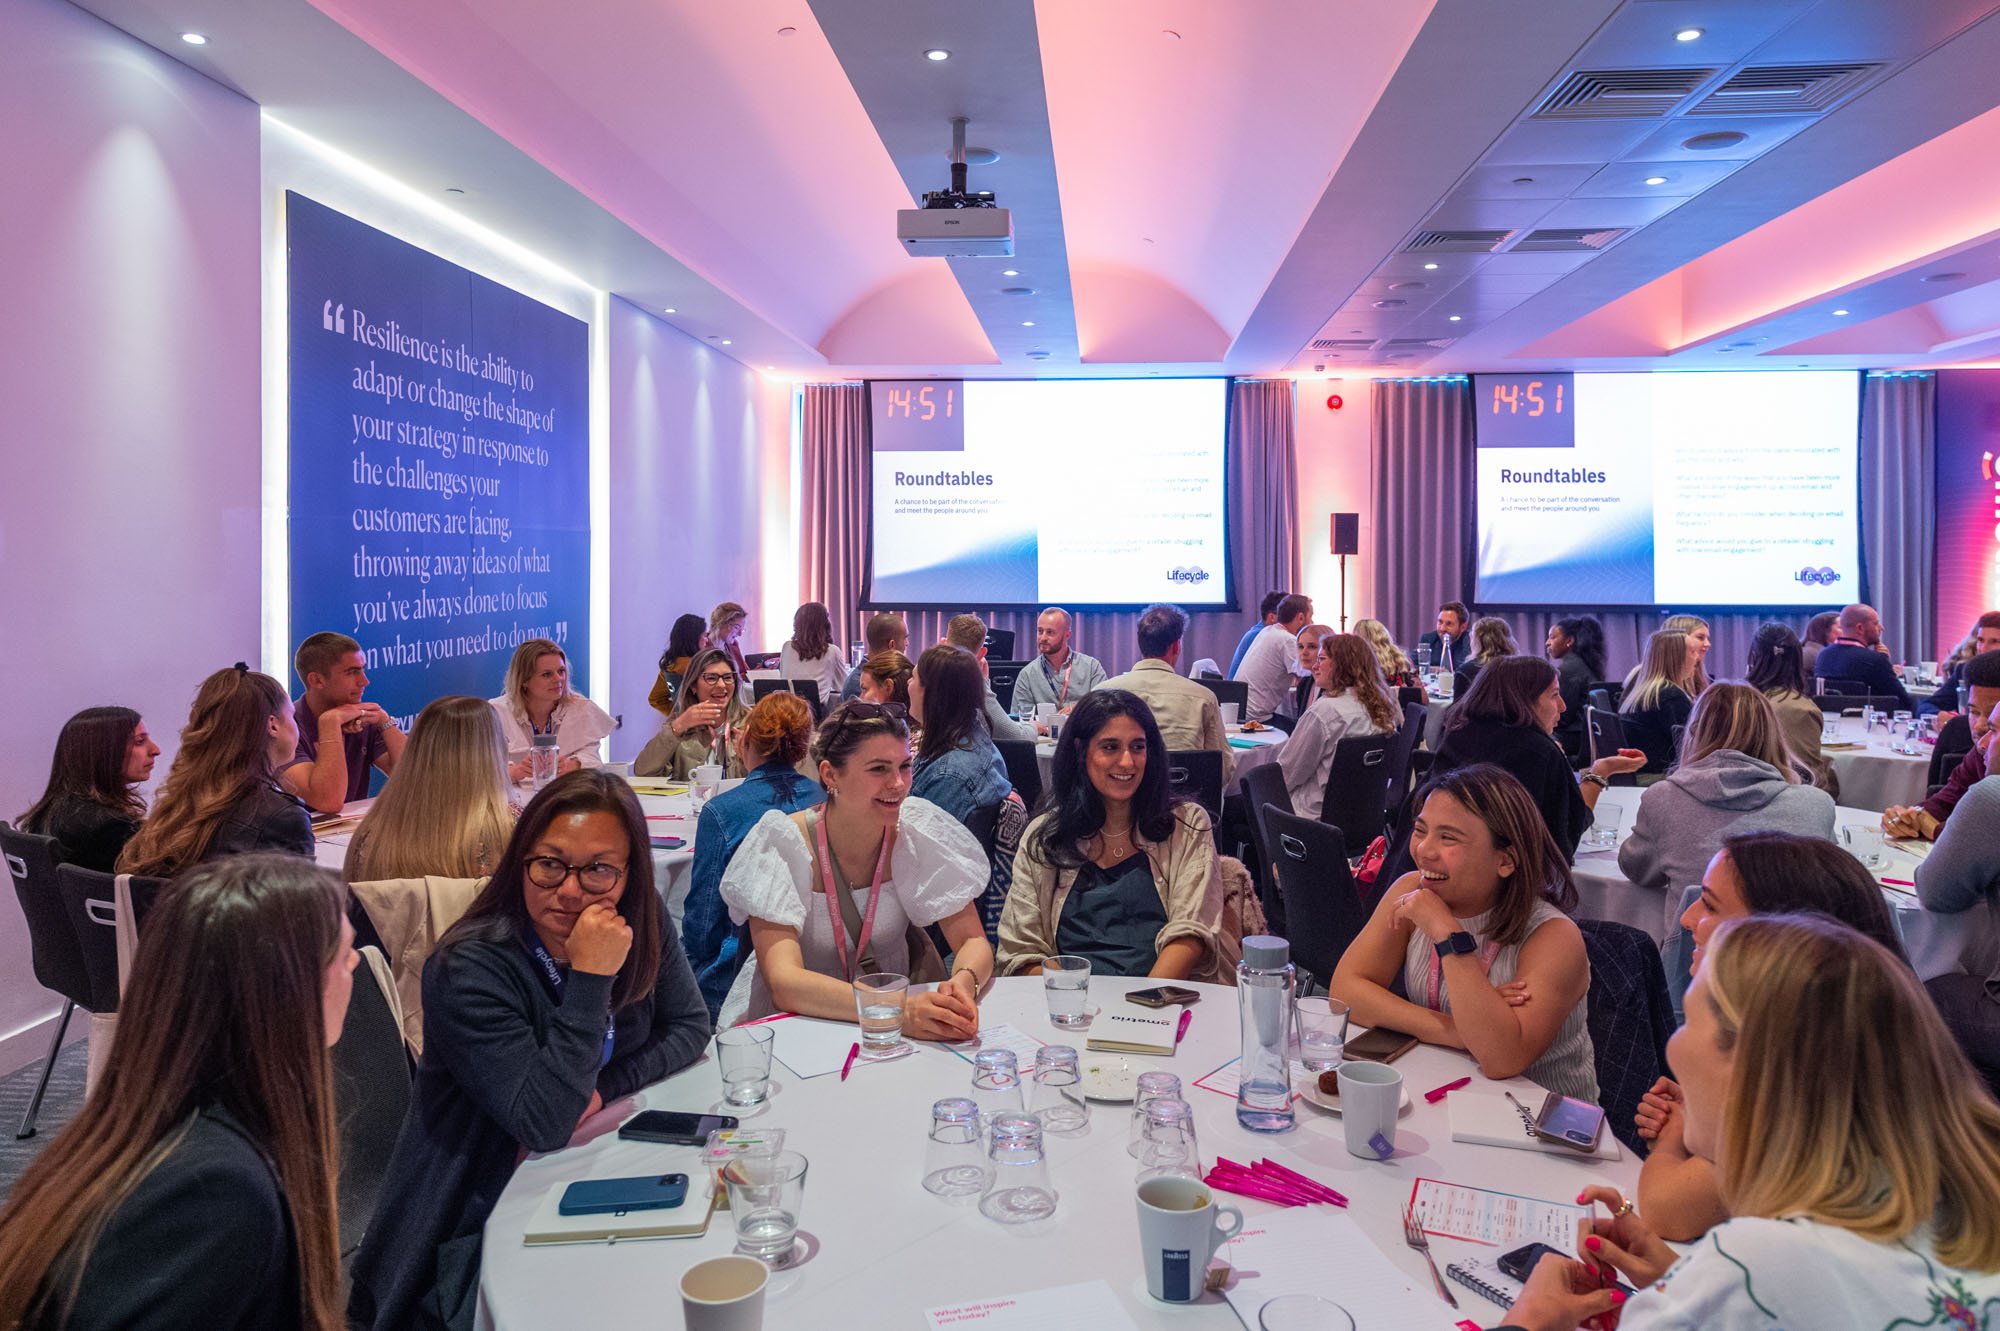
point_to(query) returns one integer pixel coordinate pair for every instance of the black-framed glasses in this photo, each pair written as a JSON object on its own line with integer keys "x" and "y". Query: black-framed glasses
{"x": 728, "y": 677}
{"x": 597, "y": 877}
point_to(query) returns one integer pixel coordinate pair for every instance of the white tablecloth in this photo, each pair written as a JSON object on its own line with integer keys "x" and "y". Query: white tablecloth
{"x": 886, "y": 1249}
{"x": 1937, "y": 944}
{"x": 1247, "y": 751}
{"x": 1873, "y": 775}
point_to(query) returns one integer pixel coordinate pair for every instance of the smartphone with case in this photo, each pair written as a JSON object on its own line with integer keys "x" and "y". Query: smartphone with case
{"x": 609, "y": 1196}
{"x": 673, "y": 1127}
{"x": 1165, "y": 995}
{"x": 1569, "y": 1122}
{"x": 1379, "y": 1044}
{"x": 1521, "y": 1262}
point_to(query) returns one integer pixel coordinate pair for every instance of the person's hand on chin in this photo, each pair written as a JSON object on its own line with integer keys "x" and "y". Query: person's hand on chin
{"x": 599, "y": 940}
{"x": 1426, "y": 911}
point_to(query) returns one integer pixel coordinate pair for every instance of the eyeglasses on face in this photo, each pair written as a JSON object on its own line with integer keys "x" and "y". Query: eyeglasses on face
{"x": 714, "y": 677}
{"x": 596, "y": 878}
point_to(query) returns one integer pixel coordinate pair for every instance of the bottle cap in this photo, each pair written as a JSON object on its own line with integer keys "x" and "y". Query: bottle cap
{"x": 545, "y": 741}
{"x": 1265, "y": 953}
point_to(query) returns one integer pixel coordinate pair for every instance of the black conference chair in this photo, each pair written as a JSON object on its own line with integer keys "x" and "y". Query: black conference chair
{"x": 88, "y": 905}
{"x": 1402, "y": 754}
{"x": 1607, "y": 736}
{"x": 1000, "y": 677}
{"x": 1409, "y": 694}
{"x": 1228, "y": 691}
{"x": 143, "y": 892}
{"x": 1854, "y": 702}
{"x": 1954, "y": 741}
{"x": 1599, "y": 696}
{"x": 1324, "y": 910}
{"x": 1264, "y": 785}
{"x": 1613, "y": 691}
{"x": 58, "y": 962}
{"x": 808, "y": 689}
{"x": 1000, "y": 643}
{"x": 1853, "y": 688}
{"x": 1024, "y": 769}
{"x": 371, "y": 1085}
{"x": 1357, "y": 789}
{"x": 1196, "y": 774}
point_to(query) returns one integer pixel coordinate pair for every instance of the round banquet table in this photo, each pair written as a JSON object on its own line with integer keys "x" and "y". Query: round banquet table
{"x": 882, "y": 1249}
{"x": 1872, "y": 774}
{"x": 1245, "y": 750}
{"x": 1968, "y": 942}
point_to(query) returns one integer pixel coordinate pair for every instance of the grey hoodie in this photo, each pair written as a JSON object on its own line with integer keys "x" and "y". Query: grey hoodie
{"x": 1683, "y": 820}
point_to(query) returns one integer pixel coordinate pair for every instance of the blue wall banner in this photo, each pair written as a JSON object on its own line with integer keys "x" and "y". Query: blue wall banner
{"x": 440, "y": 463}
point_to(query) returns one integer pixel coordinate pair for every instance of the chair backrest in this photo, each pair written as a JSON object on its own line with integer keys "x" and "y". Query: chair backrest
{"x": 1196, "y": 774}
{"x": 1606, "y": 731}
{"x": 1612, "y": 689}
{"x": 1228, "y": 691}
{"x": 1323, "y": 908}
{"x": 1954, "y": 741}
{"x": 1825, "y": 684}
{"x": 1001, "y": 676}
{"x": 1599, "y": 696}
{"x": 1461, "y": 681}
{"x": 1630, "y": 1017}
{"x": 1205, "y": 668}
{"x": 87, "y": 898}
{"x": 410, "y": 915}
{"x": 58, "y": 960}
{"x": 1000, "y": 643}
{"x": 982, "y": 823}
{"x": 1357, "y": 788}
{"x": 1402, "y": 753}
{"x": 1024, "y": 769}
{"x": 1264, "y": 783}
{"x": 371, "y": 1093}
{"x": 144, "y": 892}
{"x": 1409, "y": 694}
{"x": 1854, "y": 702}
{"x": 805, "y": 688}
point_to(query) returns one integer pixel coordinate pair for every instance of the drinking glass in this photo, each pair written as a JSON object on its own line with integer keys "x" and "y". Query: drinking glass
{"x": 1055, "y": 1096}
{"x": 1303, "y": 1312}
{"x": 1167, "y": 1142}
{"x": 544, "y": 758}
{"x": 996, "y": 1084}
{"x": 1901, "y": 721}
{"x": 1424, "y": 657}
{"x": 1066, "y": 985}
{"x": 1322, "y": 1026}
{"x": 1864, "y": 843}
{"x": 765, "y": 1194}
{"x": 1829, "y": 728}
{"x": 878, "y": 1003}
{"x": 745, "y": 1055}
{"x": 1151, "y": 1086}
{"x": 955, "y": 1161}
{"x": 1019, "y": 1190}
{"x": 1607, "y": 821}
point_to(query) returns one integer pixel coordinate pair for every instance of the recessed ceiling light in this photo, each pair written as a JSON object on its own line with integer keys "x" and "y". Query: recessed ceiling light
{"x": 1410, "y": 285}
{"x": 1038, "y": 354}
{"x": 1010, "y": 272}
{"x": 725, "y": 341}
{"x": 788, "y": 32}
{"x": 1455, "y": 318}
{"x": 1430, "y": 267}
{"x": 194, "y": 39}
{"x": 1524, "y": 180}
{"x": 1708, "y": 143}
{"x": 668, "y": 310}
{"x": 1839, "y": 312}
{"x": 1688, "y": 35}
{"x": 1656, "y": 180}
{"x": 1943, "y": 277}
{"x": 1017, "y": 291}
{"x": 1027, "y": 323}
{"x": 937, "y": 53}
{"x": 1390, "y": 304}
{"x": 770, "y": 367}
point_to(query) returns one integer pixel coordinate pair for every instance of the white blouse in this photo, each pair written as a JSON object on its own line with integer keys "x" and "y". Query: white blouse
{"x": 1307, "y": 757}
{"x": 581, "y": 727}
{"x": 935, "y": 869}
{"x": 829, "y": 671}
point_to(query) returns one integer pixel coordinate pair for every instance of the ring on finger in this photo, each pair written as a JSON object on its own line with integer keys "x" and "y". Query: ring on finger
{"x": 1624, "y": 1208}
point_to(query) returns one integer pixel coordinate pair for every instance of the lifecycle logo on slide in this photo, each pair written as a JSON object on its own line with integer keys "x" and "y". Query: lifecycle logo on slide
{"x": 1817, "y": 577}
{"x": 1194, "y": 576}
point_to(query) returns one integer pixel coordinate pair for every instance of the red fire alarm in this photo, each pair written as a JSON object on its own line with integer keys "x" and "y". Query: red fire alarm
{"x": 1333, "y": 402}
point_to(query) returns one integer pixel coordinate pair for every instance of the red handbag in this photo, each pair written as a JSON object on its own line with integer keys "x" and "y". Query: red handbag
{"x": 1371, "y": 860}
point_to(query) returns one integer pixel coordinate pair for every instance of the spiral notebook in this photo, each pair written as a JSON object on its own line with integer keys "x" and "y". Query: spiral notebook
{"x": 1483, "y": 1276}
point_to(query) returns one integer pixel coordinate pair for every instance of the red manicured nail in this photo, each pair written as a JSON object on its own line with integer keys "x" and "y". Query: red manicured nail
{"x": 1593, "y": 1243}
{"x": 1582, "y": 1197}
{"x": 1617, "y": 1297}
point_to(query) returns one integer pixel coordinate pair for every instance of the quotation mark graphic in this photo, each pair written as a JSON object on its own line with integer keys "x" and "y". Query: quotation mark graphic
{"x": 1809, "y": 575}
{"x": 333, "y": 318}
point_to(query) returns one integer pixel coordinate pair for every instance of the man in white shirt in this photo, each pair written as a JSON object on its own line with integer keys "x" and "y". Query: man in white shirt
{"x": 1188, "y": 714}
{"x": 1059, "y": 673}
{"x": 1271, "y": 666}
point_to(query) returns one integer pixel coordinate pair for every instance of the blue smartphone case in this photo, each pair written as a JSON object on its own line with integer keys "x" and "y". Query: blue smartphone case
{"x": 607, "y": 1196}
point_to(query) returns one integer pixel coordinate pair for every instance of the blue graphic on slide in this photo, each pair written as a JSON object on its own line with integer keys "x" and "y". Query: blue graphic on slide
{"x": 440, "y": 462}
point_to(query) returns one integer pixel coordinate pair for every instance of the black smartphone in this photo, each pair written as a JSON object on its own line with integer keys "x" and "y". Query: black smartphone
{"x": 1569, "y": 1122}
{"x": 673, "y": 1127}
{"x": 668, "y": 843}
{"x": 609, "y": 1196}
{"x": 1522, "y": 1261}
{"x": 1379, "y": 1044}
{"x": 1165, "y": 995}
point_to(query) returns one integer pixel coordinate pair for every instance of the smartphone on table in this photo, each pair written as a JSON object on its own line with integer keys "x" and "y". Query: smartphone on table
{"x": 1569, "y": 1122}
{"x": 1379, "y": 1044}
{"x": 1164, "y": 995}
{"x": 609, "y": 1196}
{"x": 673, "y": 1127}
{"x": 1521, "y": 1262}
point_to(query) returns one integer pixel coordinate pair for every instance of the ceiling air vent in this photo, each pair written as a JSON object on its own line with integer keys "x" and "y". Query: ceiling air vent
{"x": 1784, "y": 90}
{"x": 1567, "y": 240}
{"x": 1620, "y": 94}
{"x": 1456, "y": 242}
{"x": 1342, "y": 343}
{"x": 1418, "y": 343}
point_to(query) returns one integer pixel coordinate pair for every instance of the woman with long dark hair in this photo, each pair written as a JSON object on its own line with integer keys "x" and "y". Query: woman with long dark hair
{"x": 688, "y": 636}
{"x": 1577, "y": 648}
{"x": 1116, "y": 869}
{"x": 810, "y": 652}
{"x": 195, "y": 1188}
{"x": 91, "y": 806}
{"x": 222, "y": 796}
{"x": 1778, "y": 671}
{"x": 561, "y": 989}
{"x": 958, "y": 767}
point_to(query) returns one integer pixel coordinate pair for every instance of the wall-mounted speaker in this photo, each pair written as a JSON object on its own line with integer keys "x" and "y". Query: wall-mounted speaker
{"x": 1347, "y": 533}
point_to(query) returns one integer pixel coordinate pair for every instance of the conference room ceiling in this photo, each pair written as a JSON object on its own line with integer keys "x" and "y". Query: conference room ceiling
{"x": 1196, "y": 188}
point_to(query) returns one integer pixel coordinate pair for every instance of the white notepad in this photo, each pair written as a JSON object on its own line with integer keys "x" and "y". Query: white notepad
{"x": 685, "y": 1221}
{"x": 1491, "y": 1120}
{"x": 1091, "y": 1306}
{"x": 1315, "y": 1250}
{"x": 1136, "y": 1032}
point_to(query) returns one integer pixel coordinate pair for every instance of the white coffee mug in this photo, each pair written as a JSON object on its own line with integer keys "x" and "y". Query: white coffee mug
{"x": 1370, "y": 1094}
{"x": 724, "y": 1294}
{"x": 1180, "y": 1227}
{"x": 1229, "y": 711}
{"x": 1045, "y": 712}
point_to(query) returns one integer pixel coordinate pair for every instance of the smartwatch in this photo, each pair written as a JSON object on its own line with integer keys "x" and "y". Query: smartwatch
{"x": 1458, "y": 944}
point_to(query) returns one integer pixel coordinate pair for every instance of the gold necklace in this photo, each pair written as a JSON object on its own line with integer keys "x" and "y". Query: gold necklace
{"x": 1105, "y": 848}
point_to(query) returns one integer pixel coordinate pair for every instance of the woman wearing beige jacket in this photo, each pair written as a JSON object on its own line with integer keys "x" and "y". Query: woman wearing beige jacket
{"x": 1116, "y": 870}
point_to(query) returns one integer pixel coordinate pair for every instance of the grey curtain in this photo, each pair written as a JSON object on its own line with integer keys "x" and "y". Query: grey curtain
{"x": 833, "y": 506}
{"x": 1426, "y": 523}
{"x": 1899, "y": 511}
{"x": 1262, "y": 477}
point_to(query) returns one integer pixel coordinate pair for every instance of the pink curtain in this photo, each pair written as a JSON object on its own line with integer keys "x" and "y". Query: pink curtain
{"x": 833, "y": 507}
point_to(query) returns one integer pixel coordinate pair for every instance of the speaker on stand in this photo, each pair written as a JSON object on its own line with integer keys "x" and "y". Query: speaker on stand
{"x": 1346, "y": 541}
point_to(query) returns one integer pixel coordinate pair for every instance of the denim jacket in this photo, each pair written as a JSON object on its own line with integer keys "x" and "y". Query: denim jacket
{"x": 971, "y": 776}
{"x": 715, "y": 947}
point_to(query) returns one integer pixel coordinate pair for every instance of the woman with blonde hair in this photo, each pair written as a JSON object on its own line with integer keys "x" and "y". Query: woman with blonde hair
{"x": 195, "y": 1188}
{"x": 444, "y": 810}
{"x": 1398, "y": 671}
{"x": 222, "y": 796}
{"x": 538, "y": 701}
{"x": 1492, "y": 640}
{"x": 810, "y": 654}
{"x": 702, "y": 729}
{"x": 1857, "y": 1152}
{"x": 1735, "y": 775}
{"x": 1353, "y": 703}
{"x": 1699, "y": 640}
{"x": 885, "y": 677}
{"x": 1661, "y": 698}
{"x": 725, "y": 626}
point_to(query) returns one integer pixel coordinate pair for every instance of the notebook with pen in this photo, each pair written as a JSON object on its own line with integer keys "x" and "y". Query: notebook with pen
{"x": 1483, "y": 1276}
{"x": 1134, "y": 1033}
{"x": 1490, "y": 1120}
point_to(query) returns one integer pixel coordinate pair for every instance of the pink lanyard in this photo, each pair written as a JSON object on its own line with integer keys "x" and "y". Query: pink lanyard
{"x": 832, "y": 906}
{"x": 1487, "y": 956}
{"x": 1063, "y": 697}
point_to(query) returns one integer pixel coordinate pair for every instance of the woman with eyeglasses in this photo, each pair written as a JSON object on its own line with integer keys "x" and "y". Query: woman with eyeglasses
{"x": 560, "y": 990}
{"x": 703, "y": 728}
{"x": 848, "y": 889}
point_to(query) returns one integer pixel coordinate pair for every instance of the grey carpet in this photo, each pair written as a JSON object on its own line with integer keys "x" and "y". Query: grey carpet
{"x": 59, "y": 1105}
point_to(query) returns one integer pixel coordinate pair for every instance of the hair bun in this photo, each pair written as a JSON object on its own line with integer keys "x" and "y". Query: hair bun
{"x": 242, "y": 668}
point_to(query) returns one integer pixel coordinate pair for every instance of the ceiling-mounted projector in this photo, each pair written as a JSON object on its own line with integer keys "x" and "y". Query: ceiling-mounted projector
{"x": 953, "y": 223}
